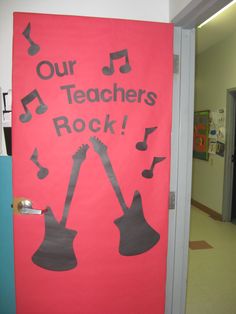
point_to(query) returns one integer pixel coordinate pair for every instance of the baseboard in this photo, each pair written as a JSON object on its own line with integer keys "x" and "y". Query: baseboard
{"x": 212, "y": 213}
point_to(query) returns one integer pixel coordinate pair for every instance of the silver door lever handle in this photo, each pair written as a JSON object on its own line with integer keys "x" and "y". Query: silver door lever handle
{"x": 31, "y": 211}
{"x": 25, "y": 207}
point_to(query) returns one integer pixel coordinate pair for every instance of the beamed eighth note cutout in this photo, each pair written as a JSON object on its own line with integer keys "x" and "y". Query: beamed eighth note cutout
{"x": 33, "y": 48}
{"x": 42, "y": 107}
{"x": 56, "y": 251}
{"x": 125, "y": 68}
{"x": 143, "y": 144}
{"x": 148, "y": 173}
{"x": 136, "y": 235}
{"x": 43, "y": 172}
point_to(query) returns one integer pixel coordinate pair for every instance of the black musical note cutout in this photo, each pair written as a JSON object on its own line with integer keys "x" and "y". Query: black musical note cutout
{"x": 125, "y": 68}
{"x": 34, "y": 48}
{"x": 56, "y": 251}
{"x": 43, "y": 172}
{"x": 136, "y": 235}
{"x": 143, "y": 145}
{"x": 148, "y": 173}
{"x": 27, "y": 116}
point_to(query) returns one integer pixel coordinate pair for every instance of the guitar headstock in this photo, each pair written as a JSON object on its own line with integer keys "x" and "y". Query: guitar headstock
{"x": 81, "y": 153}
{"x": 98, "y": 146}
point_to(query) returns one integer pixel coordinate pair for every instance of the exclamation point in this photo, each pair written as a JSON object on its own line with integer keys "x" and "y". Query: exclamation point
{"x": 124, "y": 124}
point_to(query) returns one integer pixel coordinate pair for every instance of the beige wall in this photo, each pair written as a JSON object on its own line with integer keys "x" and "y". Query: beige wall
{"x": 176, "y": 6}
{"x": 215, "y": 73}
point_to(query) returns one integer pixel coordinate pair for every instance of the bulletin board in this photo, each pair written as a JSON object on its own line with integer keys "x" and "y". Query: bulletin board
{"x": 201, "y": 133}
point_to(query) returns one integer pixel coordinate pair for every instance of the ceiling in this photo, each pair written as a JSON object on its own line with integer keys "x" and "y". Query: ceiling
{"x": 217, "y": 29}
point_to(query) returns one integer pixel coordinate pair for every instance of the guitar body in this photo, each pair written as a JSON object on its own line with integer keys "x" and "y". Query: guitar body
{"x": 136, "y": 235}
{"x": 56, "y": 251}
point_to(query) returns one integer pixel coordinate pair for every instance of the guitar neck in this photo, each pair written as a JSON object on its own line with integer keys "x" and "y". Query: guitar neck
{"x": 112, "y": 177}
{"x": 70, "y": 190}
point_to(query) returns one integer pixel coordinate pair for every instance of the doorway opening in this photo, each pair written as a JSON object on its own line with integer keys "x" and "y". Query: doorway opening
{"x": 211, "y": 261}
{"x": 229, "y": 196}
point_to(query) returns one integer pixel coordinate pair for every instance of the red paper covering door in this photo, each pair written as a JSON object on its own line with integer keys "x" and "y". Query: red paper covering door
{"x": 91, "y": 149}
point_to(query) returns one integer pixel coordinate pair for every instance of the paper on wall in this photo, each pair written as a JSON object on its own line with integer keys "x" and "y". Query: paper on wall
{"x": 212, "y": 146}
{"x": 217, "y": 125}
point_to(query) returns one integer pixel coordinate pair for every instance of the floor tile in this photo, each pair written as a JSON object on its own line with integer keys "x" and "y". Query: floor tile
{"x": 211, "y": 285}
{"x": 199, "y": 245}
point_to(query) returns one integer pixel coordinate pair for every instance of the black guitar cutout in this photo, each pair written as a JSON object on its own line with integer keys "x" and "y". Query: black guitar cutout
{"x": 143, "y": 144}
{"x": 136, "y": 235}
{"x": 43, "y": 172}
{"x": 33, "y": 48}
{"x": 42, "y": 107}
{"x": 125, "y": 68}
{"x": 148, "y": 173}
{"x": 56, "y": 251}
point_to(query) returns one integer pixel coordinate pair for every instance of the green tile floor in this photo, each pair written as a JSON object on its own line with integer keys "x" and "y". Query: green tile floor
{"x": 211, "y": 286}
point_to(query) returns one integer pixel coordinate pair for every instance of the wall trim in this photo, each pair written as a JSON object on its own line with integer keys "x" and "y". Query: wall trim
{"x": 211, "y": 212}
{"x": 197, "y": 11}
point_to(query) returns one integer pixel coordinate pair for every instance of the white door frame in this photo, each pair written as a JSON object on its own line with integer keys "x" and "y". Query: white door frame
{"x": 181, "y": 171}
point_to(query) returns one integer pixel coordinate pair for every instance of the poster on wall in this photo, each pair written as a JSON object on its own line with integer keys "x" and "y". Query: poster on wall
{"x": 6, "y": 122}
{"x": 212, "y": 146}
{"x": 200, "y": 135}
{"x": 91, "y": 158}
{"x": 217, "y": 132}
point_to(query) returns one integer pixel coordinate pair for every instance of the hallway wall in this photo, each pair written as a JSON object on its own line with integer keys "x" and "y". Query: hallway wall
{"x": 215, "y": 73}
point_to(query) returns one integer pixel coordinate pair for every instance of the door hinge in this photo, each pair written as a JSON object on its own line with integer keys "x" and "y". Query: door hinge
{"x": 176, "y": 64}
{"x": 172, "y": 200}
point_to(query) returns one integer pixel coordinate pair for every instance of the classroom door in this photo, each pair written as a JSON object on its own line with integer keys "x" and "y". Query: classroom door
{"x": 92, "y": 102}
